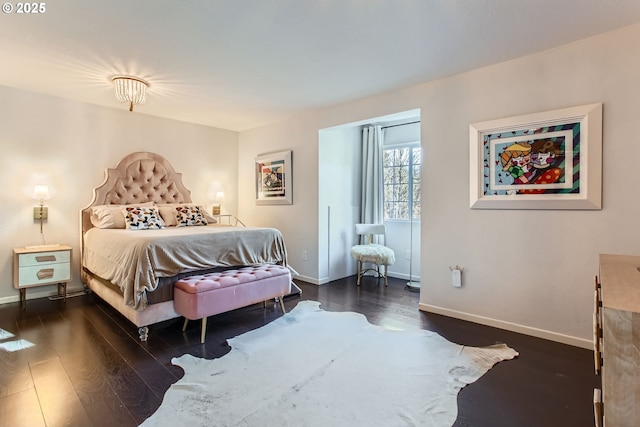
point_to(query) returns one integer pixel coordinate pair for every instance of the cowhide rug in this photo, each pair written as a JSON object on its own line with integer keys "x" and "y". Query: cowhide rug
{"x": 317, "y": 368}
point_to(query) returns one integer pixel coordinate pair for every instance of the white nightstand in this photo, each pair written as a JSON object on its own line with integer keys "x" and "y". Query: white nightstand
{"x": 231, "y": 219}
{"x": 41, "y": 265}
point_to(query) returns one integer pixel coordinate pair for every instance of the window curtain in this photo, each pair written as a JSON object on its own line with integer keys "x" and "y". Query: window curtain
{"x": 371, "y": 202}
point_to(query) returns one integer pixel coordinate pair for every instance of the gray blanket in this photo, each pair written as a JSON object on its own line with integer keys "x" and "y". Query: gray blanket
{"x": 135, "y": 259}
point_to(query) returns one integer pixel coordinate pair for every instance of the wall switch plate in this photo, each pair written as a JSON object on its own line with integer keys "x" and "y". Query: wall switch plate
{"x": 456, "y": 278}
{"x": 305, "y": 255}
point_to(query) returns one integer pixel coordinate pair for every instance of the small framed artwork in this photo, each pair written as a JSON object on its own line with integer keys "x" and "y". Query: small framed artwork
{"x": 274, "y": 179}
{"x": 548, "y": 160}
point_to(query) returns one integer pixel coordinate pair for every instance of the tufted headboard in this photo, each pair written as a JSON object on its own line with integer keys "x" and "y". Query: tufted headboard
{"x": 139, "y": 177}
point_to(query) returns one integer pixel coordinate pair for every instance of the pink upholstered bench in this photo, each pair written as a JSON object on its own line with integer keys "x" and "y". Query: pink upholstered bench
{"x": 200, "y": 296}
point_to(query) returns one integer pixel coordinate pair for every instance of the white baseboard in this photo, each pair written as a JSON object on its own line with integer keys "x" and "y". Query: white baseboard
{"x": 397, "y": 275}
{"x": 513, "y": 327}
{"x": 324, "y": 280}
{"x": 403, "y": 276}
{"x": 308, "y": 279}
{"x": 33, "y": 294}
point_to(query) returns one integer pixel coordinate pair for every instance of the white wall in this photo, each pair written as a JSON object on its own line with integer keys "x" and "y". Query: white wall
{"x": 340, "y": 152}
{"x": 404, "y": 236}
{"x": 339, "y": 157}
{"x": 297, "y": 222}
{"x": 68, "y": 145}
{"x": 537, "y": 279}
{"x": 531, "y": 268}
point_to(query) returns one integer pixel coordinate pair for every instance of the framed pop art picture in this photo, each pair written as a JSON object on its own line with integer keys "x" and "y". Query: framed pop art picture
{"x": 273, "y": 179}
{"x": 548, "y": 160}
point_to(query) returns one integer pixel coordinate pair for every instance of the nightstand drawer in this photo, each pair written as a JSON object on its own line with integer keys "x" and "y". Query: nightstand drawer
{"x": 44, "y": 258}
{"x": 42, "y": 274}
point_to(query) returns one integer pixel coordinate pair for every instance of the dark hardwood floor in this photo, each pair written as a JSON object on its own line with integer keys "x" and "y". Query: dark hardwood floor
{"x": 80, "y": 363}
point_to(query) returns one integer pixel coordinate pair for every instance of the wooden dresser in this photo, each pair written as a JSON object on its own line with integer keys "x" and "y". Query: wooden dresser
{"x": 618, "y": 339}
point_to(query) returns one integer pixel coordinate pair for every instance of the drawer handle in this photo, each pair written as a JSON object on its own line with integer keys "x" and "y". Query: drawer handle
{"x": 45, "y": 273}
{"x": 45, "y": 258}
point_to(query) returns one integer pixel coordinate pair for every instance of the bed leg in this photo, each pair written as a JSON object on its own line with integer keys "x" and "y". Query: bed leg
{"x": 144, "y": 333}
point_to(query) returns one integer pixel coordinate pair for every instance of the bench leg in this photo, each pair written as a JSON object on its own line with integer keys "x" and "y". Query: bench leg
{"x": 282, "y": 304}
{"x": 204, "y": 330}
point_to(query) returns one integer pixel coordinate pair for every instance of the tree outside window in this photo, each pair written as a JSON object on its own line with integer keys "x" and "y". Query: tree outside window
{"x": 402, "y": 172}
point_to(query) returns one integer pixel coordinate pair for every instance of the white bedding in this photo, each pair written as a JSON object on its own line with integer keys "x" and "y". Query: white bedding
{"x": 135, "y": 259}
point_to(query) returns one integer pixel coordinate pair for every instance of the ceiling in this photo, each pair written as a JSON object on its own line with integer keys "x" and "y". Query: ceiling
{"x": 240, "y": 64}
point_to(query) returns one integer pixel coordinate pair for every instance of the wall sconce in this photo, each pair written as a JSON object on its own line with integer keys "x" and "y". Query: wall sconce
{"x": 218, "y": 198}
{"x": 41, "y": 192}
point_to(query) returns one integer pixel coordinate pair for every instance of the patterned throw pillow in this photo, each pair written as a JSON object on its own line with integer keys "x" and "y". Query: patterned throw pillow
{"x": 189, "y": 215}
{"x": 142, "y": 217}
{"x": 169, "y": 211}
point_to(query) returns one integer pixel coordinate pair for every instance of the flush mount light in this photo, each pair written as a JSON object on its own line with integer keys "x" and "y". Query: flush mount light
{"x": 131, "y": 90}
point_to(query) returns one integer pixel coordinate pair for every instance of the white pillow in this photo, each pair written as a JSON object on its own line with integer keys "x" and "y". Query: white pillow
{"x": 110, "y": 216}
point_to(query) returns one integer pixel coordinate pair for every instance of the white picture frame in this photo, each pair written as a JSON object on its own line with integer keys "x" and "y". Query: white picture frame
{"x": 547, "y": 160}
{"x": 274, "y": 180}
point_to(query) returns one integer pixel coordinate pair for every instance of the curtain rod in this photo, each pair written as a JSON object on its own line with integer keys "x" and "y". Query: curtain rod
{"x": 401, "y": 124}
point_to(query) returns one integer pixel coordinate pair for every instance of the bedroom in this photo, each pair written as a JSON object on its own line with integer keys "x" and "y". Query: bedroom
{"x": 85, "y": 139}
{"x": 70, "y": 144}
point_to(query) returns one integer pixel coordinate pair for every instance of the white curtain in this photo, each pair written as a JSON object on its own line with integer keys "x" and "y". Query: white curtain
{"x": 371, "y": 209}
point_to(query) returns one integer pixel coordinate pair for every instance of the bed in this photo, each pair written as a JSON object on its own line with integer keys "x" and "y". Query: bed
{"x": 134, "y": 270}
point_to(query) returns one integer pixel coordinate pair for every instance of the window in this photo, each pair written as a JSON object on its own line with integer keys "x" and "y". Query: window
{"x": 401, "y": 171}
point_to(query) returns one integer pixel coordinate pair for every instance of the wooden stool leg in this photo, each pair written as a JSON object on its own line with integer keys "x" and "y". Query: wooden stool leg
{"x": 204, "y": 330}
{"x": 359, "y": 272}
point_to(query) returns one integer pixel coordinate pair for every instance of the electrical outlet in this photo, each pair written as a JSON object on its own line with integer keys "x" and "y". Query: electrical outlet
{"x": 456, "y": 278}
{"x": 305, "y": 255}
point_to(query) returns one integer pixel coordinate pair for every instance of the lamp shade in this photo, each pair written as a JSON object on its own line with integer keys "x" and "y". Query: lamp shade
{"x": 41, "y": 192}
{"x": 220, "y": 196}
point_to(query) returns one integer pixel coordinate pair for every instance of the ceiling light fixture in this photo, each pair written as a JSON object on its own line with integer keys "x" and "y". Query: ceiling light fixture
{"x": 131, "y": 90}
